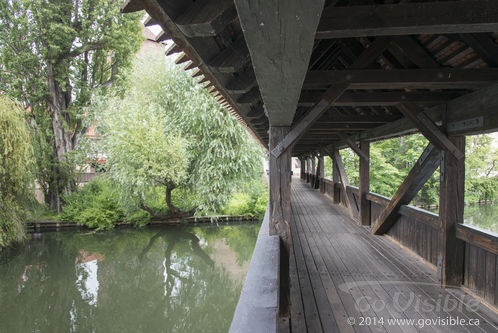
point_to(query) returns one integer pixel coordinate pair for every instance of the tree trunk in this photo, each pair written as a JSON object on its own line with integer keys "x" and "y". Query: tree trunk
{"x": 172, "y": 208}
{"x": 58, "y": 104}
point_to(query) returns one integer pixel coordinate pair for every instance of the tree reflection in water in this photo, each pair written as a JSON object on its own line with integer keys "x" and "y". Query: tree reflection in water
{"x": 150, "y": 280}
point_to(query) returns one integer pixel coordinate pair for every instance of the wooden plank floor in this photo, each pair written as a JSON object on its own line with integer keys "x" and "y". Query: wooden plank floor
{"x": 343, "y": 279}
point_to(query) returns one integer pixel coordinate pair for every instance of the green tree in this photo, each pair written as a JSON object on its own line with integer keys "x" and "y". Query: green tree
{"x": 481, "y": 180}
{"x": 53, "y": 55}
{"x": 185, "y": 141}
{"x": 16, "y": 157}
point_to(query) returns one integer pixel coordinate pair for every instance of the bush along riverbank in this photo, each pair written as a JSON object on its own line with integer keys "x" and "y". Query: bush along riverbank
{"x": 97, "y": 205}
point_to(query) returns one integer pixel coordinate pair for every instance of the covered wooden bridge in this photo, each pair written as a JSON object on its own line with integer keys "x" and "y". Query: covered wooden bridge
{"x": 308, "y": 78}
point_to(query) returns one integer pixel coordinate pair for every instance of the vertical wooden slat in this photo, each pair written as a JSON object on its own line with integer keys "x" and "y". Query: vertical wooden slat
{"x": 490, "y": 277}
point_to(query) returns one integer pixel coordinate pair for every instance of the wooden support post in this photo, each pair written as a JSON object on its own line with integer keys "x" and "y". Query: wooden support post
{"x": 313, "y": 170}
{"x": 451, "y": 203}
{"x": 303, "y": 167}
{"x": 308, "y": 170}
{"x": 364, "y": 183}
{"x": 280, "y": 210}
{"x": 335, "y": 178}
{"x": 423, "y": 169}
{"x": 318, "y": 173}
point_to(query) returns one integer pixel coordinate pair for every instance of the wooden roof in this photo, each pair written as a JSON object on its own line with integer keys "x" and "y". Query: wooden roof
{"x": 438, "y": 56}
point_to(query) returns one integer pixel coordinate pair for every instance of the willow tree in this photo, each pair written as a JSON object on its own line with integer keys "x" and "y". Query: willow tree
{"x": 16, "y": 157}
{"x": 53, "y": 55}
{"x": 220, "y": 153}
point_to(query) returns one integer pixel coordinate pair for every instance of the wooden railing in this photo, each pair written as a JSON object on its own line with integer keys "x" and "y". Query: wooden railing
{"x": 419, "y": 231}
{"x": 481, "y": 261}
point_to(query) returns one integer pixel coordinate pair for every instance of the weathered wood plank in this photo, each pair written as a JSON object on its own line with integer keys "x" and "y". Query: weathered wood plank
{"x": 478, "y": 237}
{"x": 409, "y": 19}
{"x": 280, "y": 40}
{"x": 376, "y": 98}
{"x": 231, "y": 59}
{"x": 206, "y": 18}
{"x": 438, "y": 78}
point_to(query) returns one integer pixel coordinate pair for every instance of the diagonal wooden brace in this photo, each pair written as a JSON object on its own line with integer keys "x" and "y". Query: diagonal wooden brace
{"x": 423, "y": 169}
{"x": 429, "y": 129}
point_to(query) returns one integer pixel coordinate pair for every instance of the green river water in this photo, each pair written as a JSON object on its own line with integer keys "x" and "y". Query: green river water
{"x": 170, "y": 279}
{"x": 482, "y": 216}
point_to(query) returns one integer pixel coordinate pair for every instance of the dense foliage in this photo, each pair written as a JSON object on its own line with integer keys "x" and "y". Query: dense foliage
{"x": 164, "y": 134}
{"x": 95, "y": 205}
{"x": 16, "y": 157}
{"x": 391, "y": 160}
{"x": 54, "y": 55}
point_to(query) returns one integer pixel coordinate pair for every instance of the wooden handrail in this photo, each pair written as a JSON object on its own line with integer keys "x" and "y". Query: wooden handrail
{"x": 484, "y": 239}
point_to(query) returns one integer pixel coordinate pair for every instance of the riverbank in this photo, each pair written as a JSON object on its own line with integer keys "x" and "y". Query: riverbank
{"x": 50, "y": 225}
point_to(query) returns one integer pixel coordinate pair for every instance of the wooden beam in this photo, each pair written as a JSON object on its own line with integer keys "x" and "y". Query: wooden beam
{"x": 162, "y": 36}
{"x": 451, "y": 206}
{"x": 206, "y": 18}
{"x": 442, "y": 78}
{"x": 280, "y": 209}
{"x": 371, "y": 53}
{"x": 485, "y": 47}
{"x": 181, "y": 59}
{"x": 380, "y": 98}
{"x": 191, "y": 65}
{"x": 196, "y": 49}
{"x": 149, "y": 21}
{"x": 130, "y": 6}
{"x": 250, "y": 97}
{"x": 474, "y": 113}
{"x": 255, "y": 111}
{"x": 409, "y": 19}
{"x": 173, "y": 48}
{"x": 329, "y": 97}
{"x": 280, "y": 40}
{"x": 341, "y": 171}
{"x": 479, "y": 237}
{"x": 415, "y": 52}
{"x": 243, "y": 82}
{"x": 354, "y": 147}
{"x": 423, "y": 169}
{"x": 196, "y": 73}
{"x": 430, "y": 130}
{"x": 231, "y": 59}
{"x": 364, "y": 183}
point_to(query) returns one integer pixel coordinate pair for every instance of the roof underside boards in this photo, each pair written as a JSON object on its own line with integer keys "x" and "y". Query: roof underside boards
{"x": 438, "y": 55}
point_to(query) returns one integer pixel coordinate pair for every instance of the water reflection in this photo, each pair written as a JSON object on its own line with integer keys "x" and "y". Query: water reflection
{"x": 152, "y": 280}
